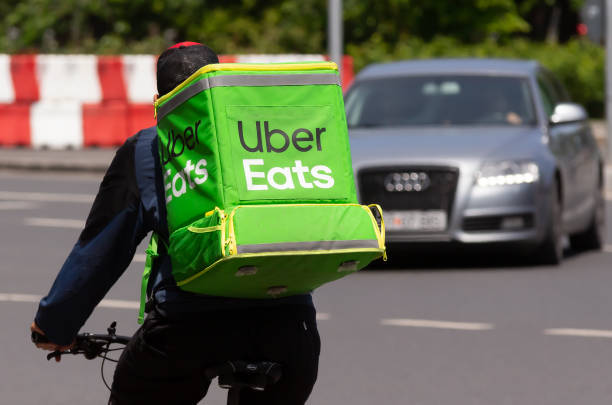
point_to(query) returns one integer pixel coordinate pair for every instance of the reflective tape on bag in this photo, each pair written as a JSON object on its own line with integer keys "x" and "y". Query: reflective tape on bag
{"x": 246, "y": 80}
{"x": 308, "y": 246}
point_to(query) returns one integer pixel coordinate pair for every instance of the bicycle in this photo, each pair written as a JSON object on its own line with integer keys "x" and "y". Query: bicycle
{"x": 232, "y": 375}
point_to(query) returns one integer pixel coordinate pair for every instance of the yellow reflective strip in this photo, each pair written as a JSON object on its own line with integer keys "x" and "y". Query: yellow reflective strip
{"x": 382, "y": 221}
{"x": 303, "y": 205}
{"x": 382, "y": 228}
{"x": 223, "y": 224}
{"x": 376, "y": 230}
{"x": 237, "y": 67}
{"x": 267, "y": 67}
{"x": 206, "y": 229}
{"x": 233, "y": 247}
{"x": 309, "y": 252}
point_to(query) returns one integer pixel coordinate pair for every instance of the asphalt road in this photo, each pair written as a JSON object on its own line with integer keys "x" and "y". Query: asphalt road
{"x": 433, "y": 329}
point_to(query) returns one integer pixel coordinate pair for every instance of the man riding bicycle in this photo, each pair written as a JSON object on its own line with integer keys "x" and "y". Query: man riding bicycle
{"x": 184, "y": 333}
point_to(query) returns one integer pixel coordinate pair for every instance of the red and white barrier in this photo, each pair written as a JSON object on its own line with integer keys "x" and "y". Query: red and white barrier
{"x": 140, "y": 77}
{"x": 68, "y": 77}
{"x": 7, "y": 93}
{"x": 56, "y": 124}
{"x": 74, "y": 101}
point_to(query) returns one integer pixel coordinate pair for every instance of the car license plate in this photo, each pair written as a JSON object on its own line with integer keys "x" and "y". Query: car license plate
{"x": 433, "y": 220}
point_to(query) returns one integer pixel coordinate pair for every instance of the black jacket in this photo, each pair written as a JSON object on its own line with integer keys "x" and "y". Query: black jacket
{"x": 129, "y": 205}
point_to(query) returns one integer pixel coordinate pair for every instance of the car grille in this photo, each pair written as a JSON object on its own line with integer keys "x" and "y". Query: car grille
{"x": 439, "y": 193}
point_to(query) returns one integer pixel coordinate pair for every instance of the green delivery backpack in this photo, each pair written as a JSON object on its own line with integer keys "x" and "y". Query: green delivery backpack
{"x": 259, "y": 186}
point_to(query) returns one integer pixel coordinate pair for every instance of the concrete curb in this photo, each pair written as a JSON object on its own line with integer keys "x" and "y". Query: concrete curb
{"x": 54, "y": 166}
{"x": 82, "y": 160}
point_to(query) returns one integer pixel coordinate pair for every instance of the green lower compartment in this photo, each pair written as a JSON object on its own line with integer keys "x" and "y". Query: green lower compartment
{"x": 276, "y": 274}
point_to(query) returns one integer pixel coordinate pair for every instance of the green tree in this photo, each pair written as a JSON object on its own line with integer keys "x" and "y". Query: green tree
{"x": 109, "y": 26}
{"x": 466, "y": 20}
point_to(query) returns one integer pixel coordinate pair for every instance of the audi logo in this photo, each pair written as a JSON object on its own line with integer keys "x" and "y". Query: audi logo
{"x": 407, "y": 181}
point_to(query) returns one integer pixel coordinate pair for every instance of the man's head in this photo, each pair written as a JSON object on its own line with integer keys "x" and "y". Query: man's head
{"x": 179, "y": 62}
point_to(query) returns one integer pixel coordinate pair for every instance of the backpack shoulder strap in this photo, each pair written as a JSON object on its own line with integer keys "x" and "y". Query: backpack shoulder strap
{"x": 146, "y": 163}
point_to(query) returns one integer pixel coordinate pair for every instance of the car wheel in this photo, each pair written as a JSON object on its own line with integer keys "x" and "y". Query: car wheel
{"x": 593, "y": 237}
{"x": 551, "y": 250}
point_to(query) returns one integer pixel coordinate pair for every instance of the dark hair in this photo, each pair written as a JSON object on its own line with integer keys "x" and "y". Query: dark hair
{"x": 175, "y": 65}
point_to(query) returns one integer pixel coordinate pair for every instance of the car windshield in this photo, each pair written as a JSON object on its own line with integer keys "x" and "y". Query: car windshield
{"x": 440, "y": 100}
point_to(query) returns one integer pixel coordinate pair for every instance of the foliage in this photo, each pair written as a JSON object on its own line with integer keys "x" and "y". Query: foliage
{"x": 148, "y": 26}
{"x": 374, "y": 31}
{"x": 110, "y": 26}
{"x": 465, "y": 20}
{"x": 525, "y": 6}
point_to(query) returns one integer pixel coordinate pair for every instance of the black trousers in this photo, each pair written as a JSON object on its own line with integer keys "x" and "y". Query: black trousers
{"x": 164, "y": 362}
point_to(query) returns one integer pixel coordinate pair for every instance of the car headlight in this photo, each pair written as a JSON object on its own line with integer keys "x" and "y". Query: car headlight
{"x": 507, "y": 173}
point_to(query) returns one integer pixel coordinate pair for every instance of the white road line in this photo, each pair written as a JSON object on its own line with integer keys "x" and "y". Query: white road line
{"x": 18, "y": 205}
{"x": 139, "y": 258}
{"x": 55, "y": 222}
{"x": 424, "y": 323}
{"x": 19, "y": 297}
{"x": 120, "y": 304}
{"x": 46, "y": 197}
{"x": 123, "y": 304}
{"x": 598, "y": 333}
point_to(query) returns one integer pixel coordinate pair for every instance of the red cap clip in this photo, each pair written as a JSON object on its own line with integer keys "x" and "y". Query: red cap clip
{"x": 186, "y": 43}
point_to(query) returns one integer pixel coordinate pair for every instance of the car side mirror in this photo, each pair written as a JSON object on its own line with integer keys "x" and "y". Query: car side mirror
{"x": 565, "y": 113}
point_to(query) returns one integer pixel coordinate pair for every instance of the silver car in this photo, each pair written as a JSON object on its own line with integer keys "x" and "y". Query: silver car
{"x": 476, "y": 151}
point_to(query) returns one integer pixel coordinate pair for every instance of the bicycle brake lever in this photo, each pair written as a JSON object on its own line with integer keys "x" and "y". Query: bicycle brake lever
{"x": 112, "y": 329}
{"x": 54, "y": 355}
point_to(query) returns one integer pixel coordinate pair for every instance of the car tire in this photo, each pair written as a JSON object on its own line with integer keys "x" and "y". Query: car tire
{"x": 550, "y": 251}
{"x": 593, "y": 237}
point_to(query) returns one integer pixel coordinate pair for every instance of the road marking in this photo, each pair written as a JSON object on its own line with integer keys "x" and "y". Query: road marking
{"x": 123, "y": 304}
{"x": 19, "y": 298}
{"x": 600, "y": 333}
{"x": 18, "y": 205}
{"x": 607, "y": 248}
{"x": 55, "y": 222}
{"x": 424, "y": 323}
{"x": 46, "y": 197}
{"x": 120, "y": 304}
{"x": 139, "y": 258}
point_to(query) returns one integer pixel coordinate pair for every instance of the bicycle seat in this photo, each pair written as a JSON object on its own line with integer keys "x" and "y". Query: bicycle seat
{"x": 239, "y": 374}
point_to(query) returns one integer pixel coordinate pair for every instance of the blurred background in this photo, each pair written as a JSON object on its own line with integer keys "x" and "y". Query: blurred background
{"x": 441, "y": 322}
{"x": 570, "y": 30}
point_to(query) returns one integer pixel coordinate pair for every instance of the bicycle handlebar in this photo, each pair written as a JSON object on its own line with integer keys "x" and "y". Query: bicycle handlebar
{"x": 90, "y": 345}
{"x": 233, "y": 375}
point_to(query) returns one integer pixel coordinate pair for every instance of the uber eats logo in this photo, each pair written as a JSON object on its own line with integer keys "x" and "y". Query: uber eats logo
{"x": 267, "y": 156}
{"x": 194, "y": 172}
{"x": 261, "y": 138}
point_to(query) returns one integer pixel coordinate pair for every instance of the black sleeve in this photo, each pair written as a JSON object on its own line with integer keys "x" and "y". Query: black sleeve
{"x": 104, "y": 250}
{"x": 117, "y": 192}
